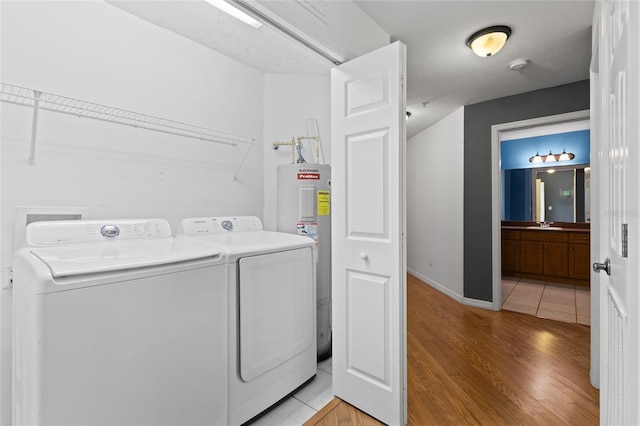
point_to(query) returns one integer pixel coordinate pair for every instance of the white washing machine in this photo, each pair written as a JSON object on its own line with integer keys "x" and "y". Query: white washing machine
{"x": 117, "y": 323}
{"x": 272, "y": 310}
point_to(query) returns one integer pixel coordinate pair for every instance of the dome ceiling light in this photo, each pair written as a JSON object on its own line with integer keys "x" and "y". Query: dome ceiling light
{"x": 489, "y": 41}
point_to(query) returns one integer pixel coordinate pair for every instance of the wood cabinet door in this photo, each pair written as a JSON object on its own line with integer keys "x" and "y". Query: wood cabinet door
{"x": 579, "y": 261}
{"x": 510, "y": 256}
{"x": 556, "y": 259}
{"x": 531, "y": 257}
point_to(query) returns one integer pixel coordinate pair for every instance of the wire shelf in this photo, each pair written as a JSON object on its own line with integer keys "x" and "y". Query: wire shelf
{"x": 51, "y": 102}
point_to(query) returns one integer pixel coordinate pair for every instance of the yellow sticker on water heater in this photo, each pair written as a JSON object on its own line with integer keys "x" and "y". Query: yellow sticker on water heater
{"x": 324, "y": 203}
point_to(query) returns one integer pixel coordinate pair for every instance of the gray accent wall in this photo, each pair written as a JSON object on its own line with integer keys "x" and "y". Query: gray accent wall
{"x": 478, "y": 119}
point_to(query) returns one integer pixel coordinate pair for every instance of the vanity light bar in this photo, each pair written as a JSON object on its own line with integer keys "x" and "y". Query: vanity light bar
{"x": 549, "y": 158}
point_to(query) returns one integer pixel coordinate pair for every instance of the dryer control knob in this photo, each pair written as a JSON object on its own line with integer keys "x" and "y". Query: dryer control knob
{"x": 110, "y": 231}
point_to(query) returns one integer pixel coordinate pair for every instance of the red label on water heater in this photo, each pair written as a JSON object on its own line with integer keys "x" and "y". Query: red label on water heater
{"x": 307, "y": 176}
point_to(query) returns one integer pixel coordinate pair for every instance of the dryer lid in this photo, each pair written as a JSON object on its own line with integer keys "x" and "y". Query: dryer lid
{"x": 240, "y": 236}
{"x": 250, "y": 243}
{"x": 66, "y": 261}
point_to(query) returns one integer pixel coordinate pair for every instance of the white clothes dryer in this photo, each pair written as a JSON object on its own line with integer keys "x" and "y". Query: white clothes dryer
{"x": 272, "y": 310}
{"x": 117, "y": 323}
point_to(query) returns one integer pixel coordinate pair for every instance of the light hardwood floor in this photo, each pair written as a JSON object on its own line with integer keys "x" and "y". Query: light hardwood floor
{"x": 473, "y": 366}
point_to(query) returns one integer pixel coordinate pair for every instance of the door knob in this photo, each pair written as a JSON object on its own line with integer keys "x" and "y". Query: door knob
{"x": 606, "y": 266}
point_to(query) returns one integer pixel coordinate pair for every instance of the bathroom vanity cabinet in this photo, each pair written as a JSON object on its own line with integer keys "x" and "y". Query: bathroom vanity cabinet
{"x": 579, "y": 256}
{"x": 557, "y": 254}
{"x": 510, "y": 251}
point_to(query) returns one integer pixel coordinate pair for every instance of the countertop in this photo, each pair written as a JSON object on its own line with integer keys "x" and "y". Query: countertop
{"x": 552, "y": 229}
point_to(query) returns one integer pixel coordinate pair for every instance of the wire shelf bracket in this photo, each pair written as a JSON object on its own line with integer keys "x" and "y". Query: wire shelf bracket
{"x": 39, "y": 100}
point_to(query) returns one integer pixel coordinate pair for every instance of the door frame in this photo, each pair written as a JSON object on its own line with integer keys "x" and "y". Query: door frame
{"x": 496, "y": 244}
{"x": 496, "y": 239}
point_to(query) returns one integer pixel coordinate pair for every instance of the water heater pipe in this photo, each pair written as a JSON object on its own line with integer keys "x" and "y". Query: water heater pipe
{"x": 316, "y": 153}
{"x": 291, "y": 143}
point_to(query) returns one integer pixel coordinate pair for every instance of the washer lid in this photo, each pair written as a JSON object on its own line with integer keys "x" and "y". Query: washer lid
{"x": 82, "y": 259}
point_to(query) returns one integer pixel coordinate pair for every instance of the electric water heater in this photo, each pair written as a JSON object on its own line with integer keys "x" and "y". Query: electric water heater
{"x": 304, "y": 208}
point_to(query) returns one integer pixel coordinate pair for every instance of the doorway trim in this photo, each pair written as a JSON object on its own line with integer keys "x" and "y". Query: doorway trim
{"x": 496, "y": 242}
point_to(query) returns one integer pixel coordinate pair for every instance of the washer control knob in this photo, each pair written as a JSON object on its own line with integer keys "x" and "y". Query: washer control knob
{"x": 110, "y": 231}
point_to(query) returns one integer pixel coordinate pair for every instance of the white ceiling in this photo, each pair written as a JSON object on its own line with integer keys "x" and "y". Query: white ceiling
{"x": 265, "y": 49}
{"x": 554, "y": 35}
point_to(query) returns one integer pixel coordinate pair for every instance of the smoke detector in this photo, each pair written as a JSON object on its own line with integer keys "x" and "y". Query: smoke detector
{"x": 518, "y": 64}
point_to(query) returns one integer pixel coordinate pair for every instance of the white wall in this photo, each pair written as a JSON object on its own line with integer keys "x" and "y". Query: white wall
{"x": 289, "y": 101}
{"x": 95, "y": 52}
{"x": 435, "y": 204}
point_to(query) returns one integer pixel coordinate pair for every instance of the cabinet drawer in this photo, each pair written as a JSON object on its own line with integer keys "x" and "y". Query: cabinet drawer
{"x": 509, "y": 234}
{"x": 555, "y": 236}
{"x": 579, "y": 238}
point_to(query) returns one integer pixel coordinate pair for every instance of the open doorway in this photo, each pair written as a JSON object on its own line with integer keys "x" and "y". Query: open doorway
{"x": 544, "y": 219}
{"x": 515, "y": 130}
{"x": 497, "y": 131}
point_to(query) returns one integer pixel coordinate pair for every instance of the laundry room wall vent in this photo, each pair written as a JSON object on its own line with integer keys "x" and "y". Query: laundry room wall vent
{"x": 39, "y": 100}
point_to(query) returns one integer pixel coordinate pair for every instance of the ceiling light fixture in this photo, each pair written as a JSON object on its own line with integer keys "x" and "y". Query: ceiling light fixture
{"x": 566, "y": 156}
{"x": 236, "y": 13}
{"x": 550, "y": 158}
{"x": 488, "y": 41}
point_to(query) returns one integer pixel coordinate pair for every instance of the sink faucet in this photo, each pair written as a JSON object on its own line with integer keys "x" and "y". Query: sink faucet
{"x": 545, "y": 224}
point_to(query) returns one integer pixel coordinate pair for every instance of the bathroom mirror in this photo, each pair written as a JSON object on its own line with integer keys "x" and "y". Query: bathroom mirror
{"x": 552, "y": 194}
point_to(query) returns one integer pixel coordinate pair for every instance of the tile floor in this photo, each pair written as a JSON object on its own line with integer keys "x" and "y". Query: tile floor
{"x": 304, "y": 403}
{"x": 561, "y": 302}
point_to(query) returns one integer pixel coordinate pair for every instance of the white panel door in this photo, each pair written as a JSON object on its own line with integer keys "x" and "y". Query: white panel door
{"x": 619, "y": 160}
{"x": 368, "y": 101}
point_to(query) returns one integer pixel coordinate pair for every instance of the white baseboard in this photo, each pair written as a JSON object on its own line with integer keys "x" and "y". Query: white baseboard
{"x": 478, "y": 303}
{"x": 441, "y": 288}
{"x": 452, "y": 294}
